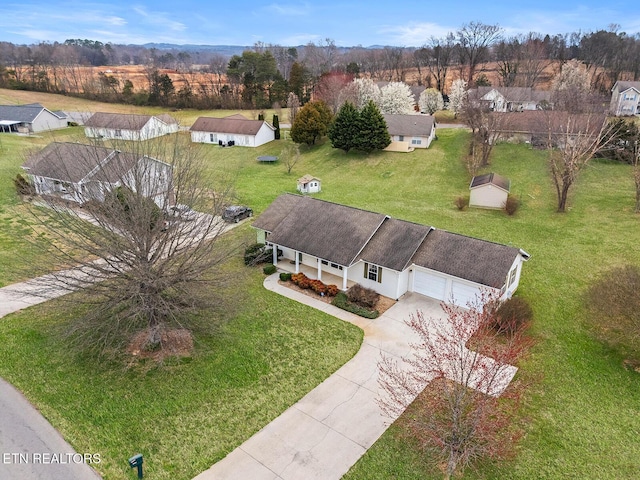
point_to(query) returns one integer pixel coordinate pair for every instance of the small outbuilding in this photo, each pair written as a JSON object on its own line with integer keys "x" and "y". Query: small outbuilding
{"x": 489, "y": 191}
{"x": 309, "y": 184}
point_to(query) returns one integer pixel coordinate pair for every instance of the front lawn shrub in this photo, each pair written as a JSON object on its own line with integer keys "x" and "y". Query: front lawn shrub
{"x": 318, "y": 287}
{"x": 511, "y": 205}
{"x": 332, "y": 290}
{"x": 362, "y": 296}
{"x": 462, "y": 202}
{"x": 23, "y": 187}
{"x": 269, "y": 269}
{"x": 285, "y": 276}
{"x": 255, "y": 254}
{"x": 341, "y": 301}
{"x": 512, "y": 315}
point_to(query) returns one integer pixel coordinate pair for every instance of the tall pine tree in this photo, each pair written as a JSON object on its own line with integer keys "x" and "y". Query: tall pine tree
{"x": 343, "y": 132}
{"x": 372, "y": 129}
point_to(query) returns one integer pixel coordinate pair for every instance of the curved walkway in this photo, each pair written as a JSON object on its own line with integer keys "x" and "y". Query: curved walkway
{"x": 328, "y": 430}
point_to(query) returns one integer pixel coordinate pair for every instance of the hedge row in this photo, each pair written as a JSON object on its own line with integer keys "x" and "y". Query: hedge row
{"x": 342, "y": 302}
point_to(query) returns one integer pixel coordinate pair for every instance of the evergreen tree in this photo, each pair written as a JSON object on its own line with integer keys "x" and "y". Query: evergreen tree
{"x": 276, "y": 125}
{"x": 311, "y": 123}
{"x": 343, "y": 132}
{"x": 372, "y": 129}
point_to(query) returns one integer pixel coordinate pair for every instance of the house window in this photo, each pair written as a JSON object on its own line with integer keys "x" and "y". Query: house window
{"x": 373, "y": 272}
{"x": 324, "y": 262}
{"x": 211, "y": 137}
{"x": 335, "y": 265}
{"x": 416, "y": 141}
{"x": 512, "y": 276}
{"x": 401, "y": 138}
{"x": 118, "y": 132}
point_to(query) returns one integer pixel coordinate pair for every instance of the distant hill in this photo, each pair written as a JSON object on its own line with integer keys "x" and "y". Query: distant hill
{"x": 225, "y": 50}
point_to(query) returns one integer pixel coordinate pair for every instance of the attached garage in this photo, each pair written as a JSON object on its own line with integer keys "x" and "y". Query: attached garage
{"x": 465, "y": 294}
{"x": 430, "y": 284}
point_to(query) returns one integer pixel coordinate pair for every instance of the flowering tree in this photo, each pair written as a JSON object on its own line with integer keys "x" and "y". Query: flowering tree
{"x": 431, "y": 101}
{"x": 365, "y": 90}
{"x": 396, "y": 98}
{"x": 458, "y": 96}
{"x": 465, "y": 411}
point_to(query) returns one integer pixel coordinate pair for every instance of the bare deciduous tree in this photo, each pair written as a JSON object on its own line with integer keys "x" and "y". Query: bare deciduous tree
{"x": 142, "y": 226}
{"x": 466, "y": 411}
{"x": 290, "y": 156}
{"x": 474, "y": 40}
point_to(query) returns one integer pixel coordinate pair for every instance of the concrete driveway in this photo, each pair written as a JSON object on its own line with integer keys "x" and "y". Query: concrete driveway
{"x": 328, "y": 430}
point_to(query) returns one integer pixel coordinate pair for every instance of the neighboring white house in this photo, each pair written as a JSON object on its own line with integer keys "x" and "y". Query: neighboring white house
{"x": 31, "y": 118}
{"x": 232, "y": 130}
{"x": 390, "y": 256}
{"x": 79, "y": 173}
{"x": 489, "y": 191}
{"x": 410, "y": 131}
{"x": 625, "y": 98}
{"x": 309, "y": 184}
{"x": 128, "y": 126}
{"x": 511, "y": 99}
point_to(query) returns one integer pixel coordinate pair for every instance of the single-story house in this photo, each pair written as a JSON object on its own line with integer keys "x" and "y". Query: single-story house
{"x": 232, "y": 130}
{"x": 389, "y": 255}
{"x": 309, "y": 184}
{"x": 511, "y": 99}
{"x": 129, "y": 126}
{"x": 410, "y": 131}
{"x": 489, "y": 191}
{"x": 625, "y": 98}
{"x": 31, "y": 118}
{"x": 79, "y": 173}
{"x": 534, "y": 126}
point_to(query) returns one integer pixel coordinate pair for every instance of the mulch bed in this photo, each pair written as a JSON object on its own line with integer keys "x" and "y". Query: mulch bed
{"x": 384, "y": 304}
{"x": 175, "y": 343}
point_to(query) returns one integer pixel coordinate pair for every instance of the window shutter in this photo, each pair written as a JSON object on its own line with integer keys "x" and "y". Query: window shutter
{"x": 366, "y": 270}
{"x": 379, "y": 274}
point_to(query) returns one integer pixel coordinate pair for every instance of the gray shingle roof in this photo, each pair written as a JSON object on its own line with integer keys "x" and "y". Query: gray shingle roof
{"x": 472, "y": 259}
{"x": 491, "y": 178}
{"x": 345, "y": 235}
{"x": 73, "y": 162}
{"x": 228, "y": 125}
{"x": 22, "y": 113}
{"x": 409, "y": 125}
{"x": 622, "y": 85}
{"x": 514, "y": 94}
{"x": 123, "y": 121}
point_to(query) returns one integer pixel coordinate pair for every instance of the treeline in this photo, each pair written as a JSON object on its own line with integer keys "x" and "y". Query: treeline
{"x": 266, "y": 74}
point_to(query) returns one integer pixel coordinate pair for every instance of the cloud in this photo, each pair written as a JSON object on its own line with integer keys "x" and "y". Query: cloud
{"x": 414, "y": 34}
{"x": 159, "y": 19}
{"x": 289, "y": 10}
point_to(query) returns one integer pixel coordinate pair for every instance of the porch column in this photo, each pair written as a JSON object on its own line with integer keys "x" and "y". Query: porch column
{"x": 275, "y": 255}
{"x": 297, "y": 262}
{"x": 344, "y": 278}
{"x": 319, "y": 270}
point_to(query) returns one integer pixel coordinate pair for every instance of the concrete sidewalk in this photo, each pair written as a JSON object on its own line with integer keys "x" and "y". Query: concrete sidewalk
{"x": 327, "y": 431}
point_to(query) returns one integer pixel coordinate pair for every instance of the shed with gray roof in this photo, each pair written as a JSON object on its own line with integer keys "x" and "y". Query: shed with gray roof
{"x": 389, "y": 255}
{"x": 489, "y": 191}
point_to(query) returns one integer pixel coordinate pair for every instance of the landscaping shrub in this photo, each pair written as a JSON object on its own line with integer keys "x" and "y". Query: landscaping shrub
{"x": 285, "y": 276}
{"x": 341, "y": 301}
{"x": 23, "y": 187}
{"x": 318, "y": 287}
{"x": 332, "y": 290}
{"x": 511, "y": 205}
{"x": 462, "y": 202}
{"x": 362, "y": 296}
{"x": 301, "y": 280}
{"x": 269, "y": 269}
{"x": 512, "y": 315}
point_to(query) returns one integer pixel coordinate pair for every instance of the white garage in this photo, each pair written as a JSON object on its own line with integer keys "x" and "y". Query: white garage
{"x": 442, "y": 287}
{"x": 430, "y": 284}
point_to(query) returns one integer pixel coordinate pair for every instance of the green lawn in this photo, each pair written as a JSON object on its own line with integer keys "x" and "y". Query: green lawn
{"x": 582, "y": 412}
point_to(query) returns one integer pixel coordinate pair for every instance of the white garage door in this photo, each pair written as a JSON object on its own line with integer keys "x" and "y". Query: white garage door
{"x": 464, "y": 294}
{"x": 428, "y": 284}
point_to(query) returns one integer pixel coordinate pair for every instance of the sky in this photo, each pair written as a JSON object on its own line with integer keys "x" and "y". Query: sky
{"x": 292, "y": 23}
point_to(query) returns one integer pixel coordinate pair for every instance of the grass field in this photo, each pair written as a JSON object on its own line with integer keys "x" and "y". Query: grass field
{"x": 581, "y": 415}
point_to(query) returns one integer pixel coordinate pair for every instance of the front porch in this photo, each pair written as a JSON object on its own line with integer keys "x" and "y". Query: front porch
{"x": 326, "y": 277}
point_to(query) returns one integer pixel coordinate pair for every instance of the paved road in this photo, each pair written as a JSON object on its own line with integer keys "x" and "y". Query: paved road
{"x": 31, "y": 449}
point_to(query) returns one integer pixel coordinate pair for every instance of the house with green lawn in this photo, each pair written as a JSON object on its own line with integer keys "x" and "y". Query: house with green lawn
{"x": 388, "y": 255}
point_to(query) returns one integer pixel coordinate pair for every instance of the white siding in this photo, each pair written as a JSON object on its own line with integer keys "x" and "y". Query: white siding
{"x": 388, "y": 287}
{"x": 488, "y": 196}
{"x": 47, "y": 121}
{"x": 430, "y": 284}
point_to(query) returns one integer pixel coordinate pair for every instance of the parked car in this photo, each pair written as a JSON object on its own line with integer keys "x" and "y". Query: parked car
{"x": 182, "y": 212}
{"x": 235, "y": 213}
